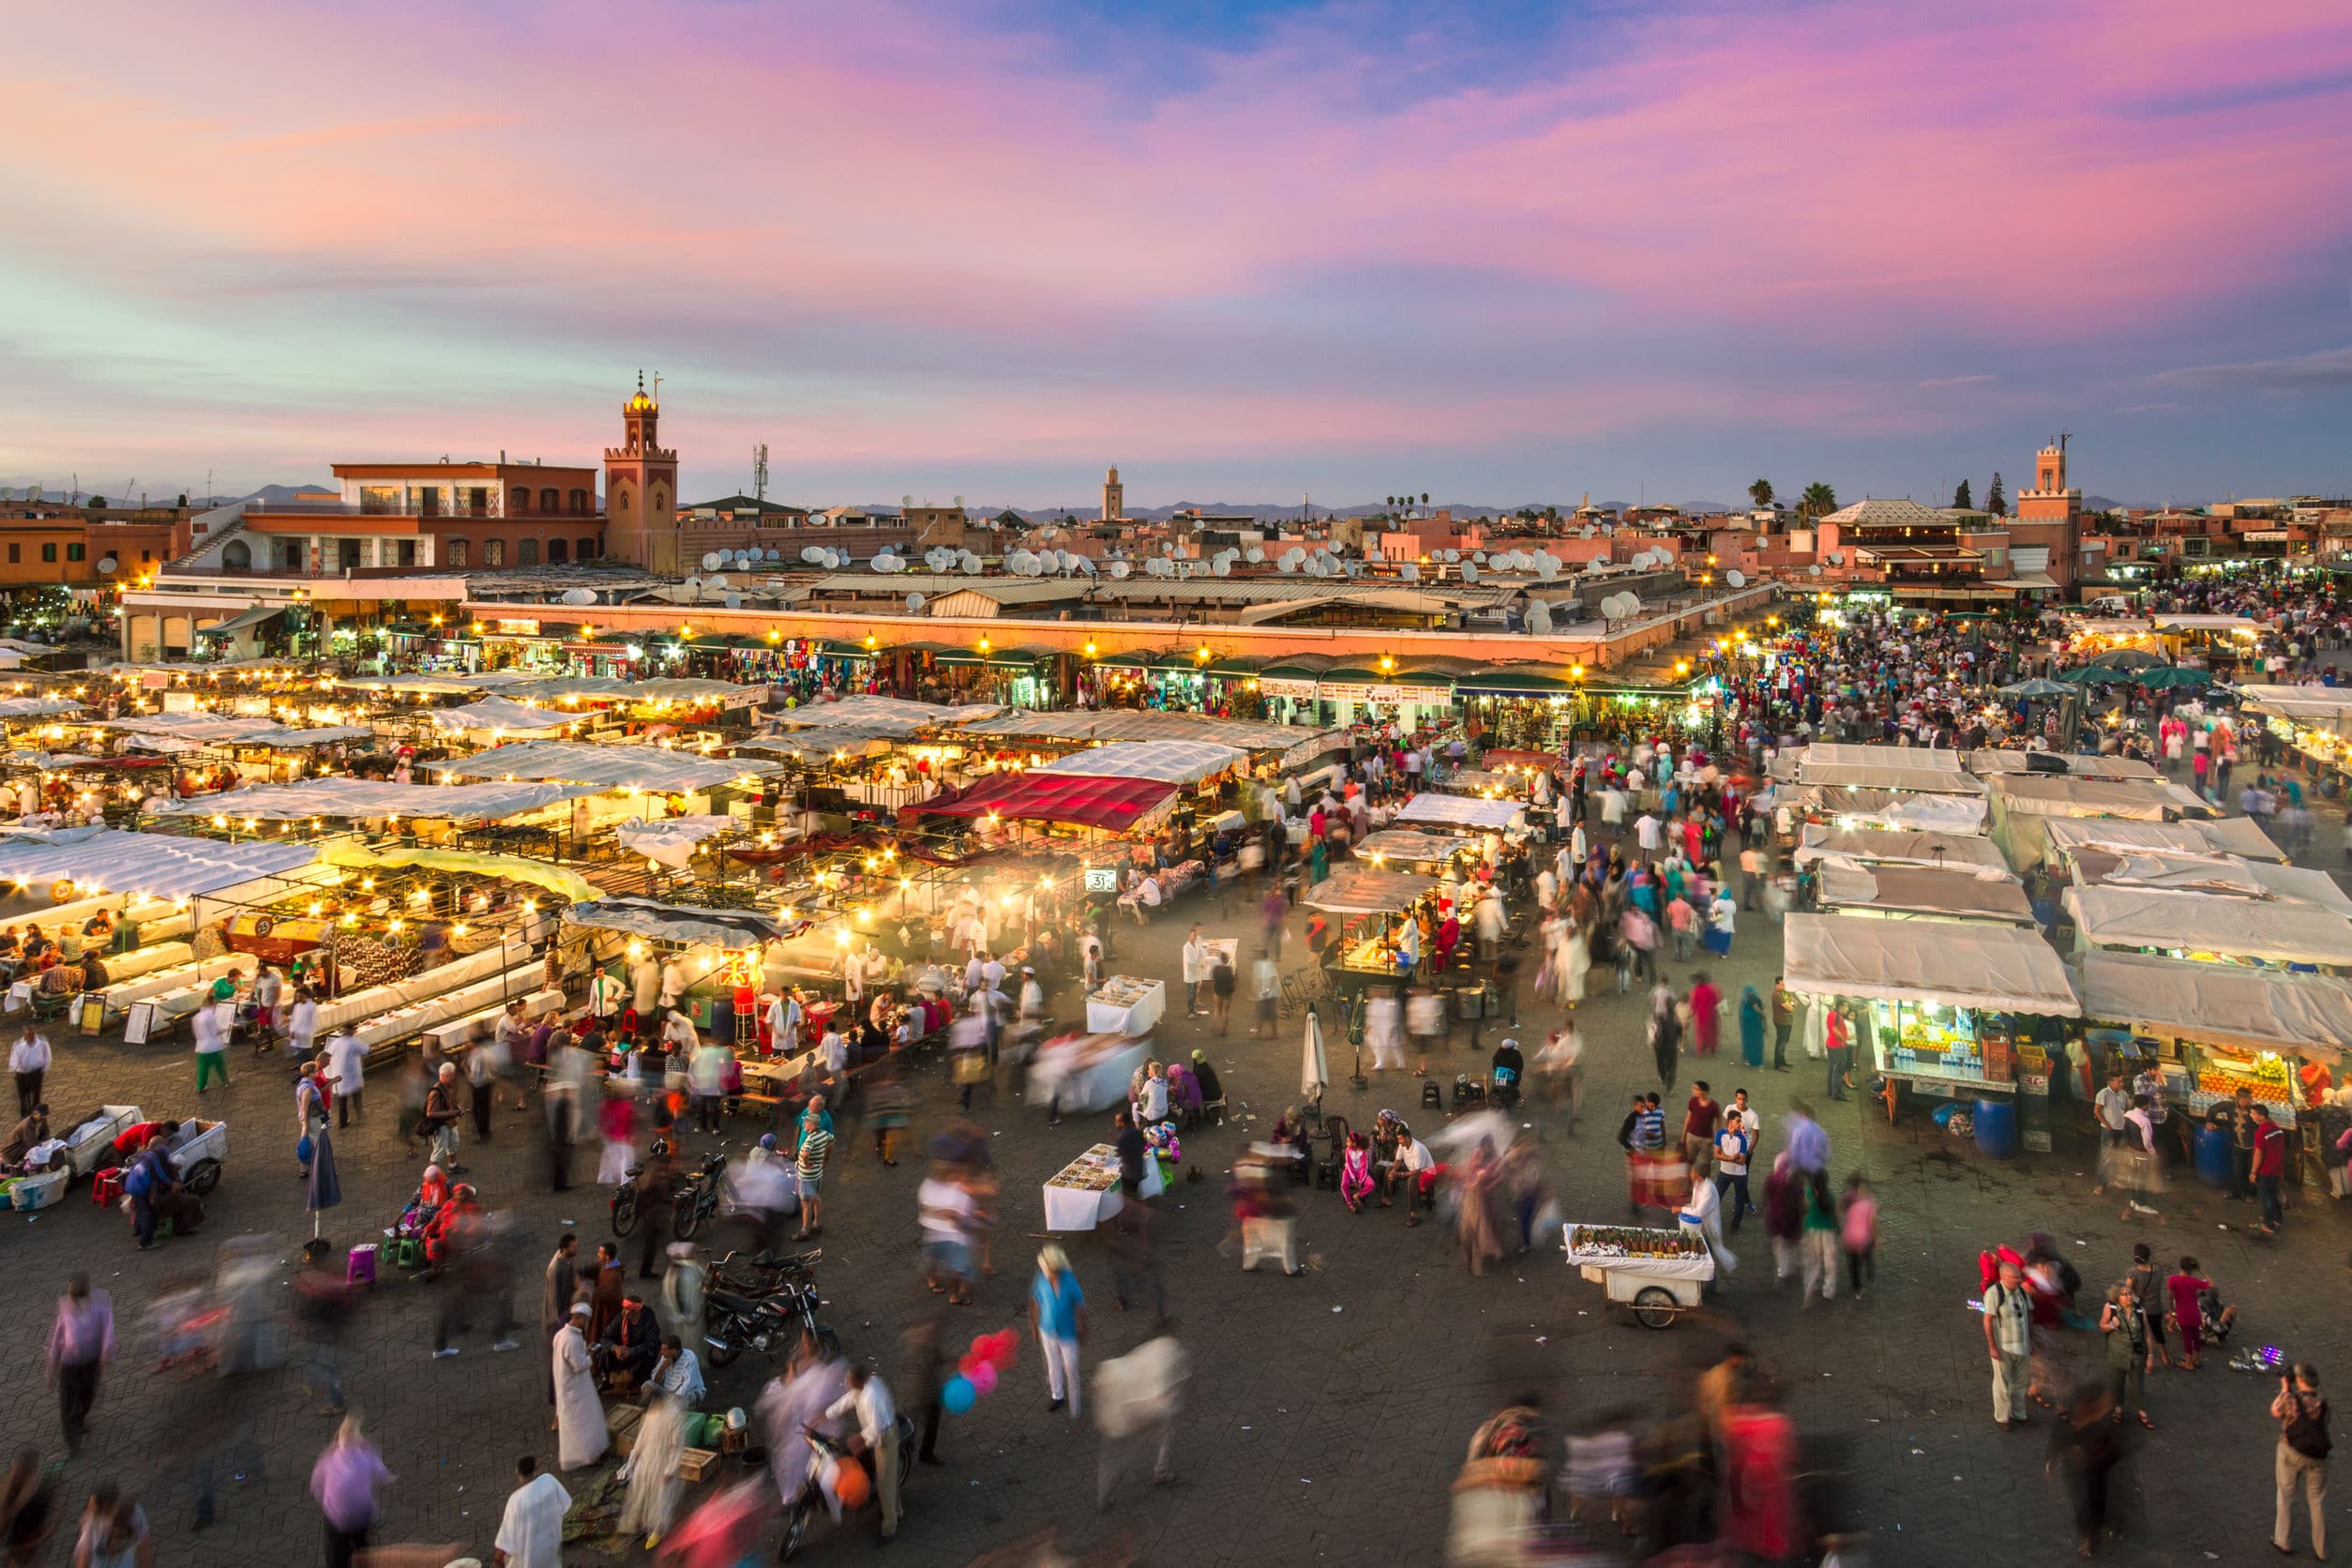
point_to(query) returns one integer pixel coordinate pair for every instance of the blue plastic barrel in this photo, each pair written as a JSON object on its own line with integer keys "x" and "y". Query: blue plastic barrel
{"x": 1996, "y": 1127}
{"x": 2213, "y": 1159}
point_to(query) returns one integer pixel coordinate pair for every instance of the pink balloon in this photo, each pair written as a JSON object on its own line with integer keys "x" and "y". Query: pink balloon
{"x": 984, "y": 1378}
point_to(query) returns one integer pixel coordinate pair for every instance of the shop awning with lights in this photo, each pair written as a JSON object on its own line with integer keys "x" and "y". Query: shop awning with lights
{"x": 369, "y": 797}
{"x": 1460, "y": 811}
{"x": 1514, "y": 680}
{"x": 501, "y": 713}
{"x": 246, "y": 621}
{"x": 155, "y": 866}
{"x": 1114, "y": 805}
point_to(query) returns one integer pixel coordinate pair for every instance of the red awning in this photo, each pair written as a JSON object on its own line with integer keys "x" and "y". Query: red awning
{"x": 1105, "y": 803}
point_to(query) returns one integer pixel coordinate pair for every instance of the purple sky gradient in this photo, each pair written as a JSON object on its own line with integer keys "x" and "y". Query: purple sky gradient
{"x": 1249, "y": 253}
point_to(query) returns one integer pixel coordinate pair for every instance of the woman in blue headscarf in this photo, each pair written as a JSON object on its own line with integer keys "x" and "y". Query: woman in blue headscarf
{"x": 1751, "y": 1027}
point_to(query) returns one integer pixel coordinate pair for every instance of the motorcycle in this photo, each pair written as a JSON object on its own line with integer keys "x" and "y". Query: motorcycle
{"x": 697, "y": 1198}
{"x": 823, "y": 1453}
{"x": 734, "y": 1322}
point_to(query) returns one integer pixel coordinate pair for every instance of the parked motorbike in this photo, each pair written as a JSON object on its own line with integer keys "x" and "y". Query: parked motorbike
{"x": 696, "y": 1201}
{"x": 734, "y": 1320}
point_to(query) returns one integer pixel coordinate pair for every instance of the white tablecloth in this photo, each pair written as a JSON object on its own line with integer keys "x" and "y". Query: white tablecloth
{"x": 450, "y": 1036}
{"x": 1104, "y": 1017}
{"x": 1076, "y": 1209}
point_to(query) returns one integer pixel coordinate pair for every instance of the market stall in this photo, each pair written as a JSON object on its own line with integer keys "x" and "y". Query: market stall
{"x": 1374, "y": 905}
{"x": 1818, "y": 842}
{"x": 1658, "y": 1273}
{"x": 1460, "y": 811}
{"x": 1123, "y": 1005}
{"x": 2221, "y": 836}
{"x": 2216, "y": 929}
{"x": 1410, "y": 850}
{"x": 1937, "y": 1005}
{"x": 2215, "y": 1029}
{"x": 1085, "y": 1192}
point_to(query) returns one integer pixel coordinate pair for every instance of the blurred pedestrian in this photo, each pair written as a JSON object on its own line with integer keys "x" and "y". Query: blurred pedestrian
{"x": 343, "y": 1483}
{"x": 80, "y": 1341}
{"x": 2085, "y": 1449}
{"x": 1136, "y": 1398}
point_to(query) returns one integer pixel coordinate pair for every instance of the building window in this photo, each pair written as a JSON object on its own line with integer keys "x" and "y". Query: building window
{"x": 75, "y": 552}
{"x": 146, "y": 555}
{"x": 347, "y": 554}
{"x": 16, "y": 555}
{"x": 586, "y": 550}
{"x": 580, "y": 503}
{"x": 527, "y": 553}
{"x": 520, "y": 500}
{"x": 477, "y": 501}
{"x": 493, "y": 552}
{"x": 547, "y": 499}
{"x": 457, "y": 550}
{"x": 48, "y": 552}
{"x": 290, "y": 555}
{"x": 557, "y": 552}
{"x": 237, "y": 556}
{"x": 408, "y": 552}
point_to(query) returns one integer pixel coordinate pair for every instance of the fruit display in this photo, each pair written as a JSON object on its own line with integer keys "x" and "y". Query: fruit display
{"x": 1631, "y": 1240}
{"x": 2224, "y": 1086}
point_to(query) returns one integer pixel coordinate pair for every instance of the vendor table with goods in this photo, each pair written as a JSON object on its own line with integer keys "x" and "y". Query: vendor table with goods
{"x": 1125, "y": 1005}
{"x": 1657, "y": 1273}
{"x": 1085, "y": 1192}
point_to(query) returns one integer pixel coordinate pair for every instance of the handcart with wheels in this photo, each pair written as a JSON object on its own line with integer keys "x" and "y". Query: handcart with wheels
{"x": 200, "y": 1149}
{"x": 1658, "y": 1273}
{"x": 90, "y": 1143}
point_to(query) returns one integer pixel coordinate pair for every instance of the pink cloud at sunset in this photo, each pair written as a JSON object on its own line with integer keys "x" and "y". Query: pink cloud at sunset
{"x": 913, "y": 235}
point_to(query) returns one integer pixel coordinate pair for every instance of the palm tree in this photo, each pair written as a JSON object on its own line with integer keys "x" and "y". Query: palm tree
{"x": 1424, "y": 498}
{"x": 1820, "y": 501}
{"x": 1761, "y": 494}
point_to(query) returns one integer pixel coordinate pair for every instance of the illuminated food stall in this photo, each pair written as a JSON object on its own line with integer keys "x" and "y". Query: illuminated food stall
{"x": 1374, "y": 907}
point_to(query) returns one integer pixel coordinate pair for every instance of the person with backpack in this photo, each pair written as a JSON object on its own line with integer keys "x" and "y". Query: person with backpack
{"x": 2009, "y": 1341}
{"x": 2303, "y": 1445}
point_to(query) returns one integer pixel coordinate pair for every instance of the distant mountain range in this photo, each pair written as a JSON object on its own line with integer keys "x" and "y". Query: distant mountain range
{"x": 1268, "y": 512}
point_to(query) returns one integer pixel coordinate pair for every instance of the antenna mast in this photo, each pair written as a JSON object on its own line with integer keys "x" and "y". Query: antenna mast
{"x": 758, "y": 470}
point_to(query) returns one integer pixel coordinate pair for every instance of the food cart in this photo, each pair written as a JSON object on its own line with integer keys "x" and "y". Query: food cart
{"x": 1659, "y": 1274}
{"x": 1374, "y": 905}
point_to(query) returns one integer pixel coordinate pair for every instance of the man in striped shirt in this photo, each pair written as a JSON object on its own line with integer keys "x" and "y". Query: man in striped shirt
{"x": 816, "y": 1146}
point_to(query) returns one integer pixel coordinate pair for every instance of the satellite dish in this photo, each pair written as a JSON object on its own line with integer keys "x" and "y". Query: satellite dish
{"x": 1223, "y": 568}
{"x": 887, "y": 562}
{"x": 1120, "y": 569}
{"x": 741, "y": 557}
{"x": 710, "y": 562}
{"x": 694, "y": 583}
{"x": 1256, "y": 555}
{"x": 1546, "y": 565}
{"x": 960, "y": 501}
{"x": 1066, "y": 561}
{"x": 718, "y": 581}
{"x": 1453, "y": 555}
{"x": 571, "y": 596}
{"x": 776, "y": 555}
{"x": 971, "y": 565}
{"x": 808, "y": 554}
{"x": 1470, "y": 571}
{"x": 734, "y": 601}
{"x": 106, "y": 567}
{"x": 914, "y": 603}
{"x": 1539, "y": 617}
{"x": 1736, "y": 578}
{"x": 1286, "y": 567}
{"x": 1587, "y": 531}
{"x": 1411, "y": 572}
{"x": 906, "y": 501}
{"x": 1813, "y": 570}
{"x": 1478, "y": 557}
{"x": 1837, "y": 558}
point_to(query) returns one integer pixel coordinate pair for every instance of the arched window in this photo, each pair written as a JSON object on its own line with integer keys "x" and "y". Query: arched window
{"x": 458, "y": 553}
{"x": 557, "y": 552}
{"x": 580, "y": 503}
{"x": 547, "y": 499}
{"x": 519, "y": 501}
{"x": 237, "y": 557}
{"x": 493, "y": 552}
{"x": 585, "y": 550}
{"x": 527, "y": 553}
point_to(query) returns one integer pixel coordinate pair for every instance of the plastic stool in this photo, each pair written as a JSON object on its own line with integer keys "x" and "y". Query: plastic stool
{"x": 1431, "y": 1094}
{"x": 360, "y": 1267}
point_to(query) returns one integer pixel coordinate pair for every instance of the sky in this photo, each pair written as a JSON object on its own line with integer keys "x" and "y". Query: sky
{"x": 1249, "y": 251}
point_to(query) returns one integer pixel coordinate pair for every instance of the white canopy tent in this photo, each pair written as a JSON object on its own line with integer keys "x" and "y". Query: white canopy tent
{"x": 2271, "y": 930}
{"x": 37, "y": 707}
{"x": 1832, "y": 754}
{"x": 1918, "y": 890}
{"x": 1460, "y": 811}
{"x": 1873, "y": 846}
{"x": 1167, "y": 762}
{"x": 152, "y": 864}
{"x": 501, "y": 714}
{"x": 440, "y": 685}
{"x": 1942, "y": 962}
{"x": 669, "y": 843}
{"x": 199, "y": 728}
{"x": 610, "y": 767}
{"x": 2237, "y": 835}
{"x": 2056, "y": 765}
{"x": 2227, "y": 1004}
{"x": 370, "y": 797}
{"x": 877, "y": 710}
{"x": 812, "y": 747}
{"x": 1899, "y": 811}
